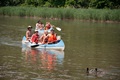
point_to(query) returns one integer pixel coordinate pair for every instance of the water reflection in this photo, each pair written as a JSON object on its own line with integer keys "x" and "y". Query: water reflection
{"x": 43, "y": 59}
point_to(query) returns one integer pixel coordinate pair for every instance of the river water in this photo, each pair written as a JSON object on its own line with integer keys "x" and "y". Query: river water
{"x": 87, "y": 45}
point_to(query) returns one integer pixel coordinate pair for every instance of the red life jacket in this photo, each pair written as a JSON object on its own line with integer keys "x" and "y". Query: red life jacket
{"x": 35, "y": 38}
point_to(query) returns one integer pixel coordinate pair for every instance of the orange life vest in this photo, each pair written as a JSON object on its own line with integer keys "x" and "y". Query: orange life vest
{"x": 52, "y": 38}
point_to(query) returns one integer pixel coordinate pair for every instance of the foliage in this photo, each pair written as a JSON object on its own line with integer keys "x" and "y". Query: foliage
{"x": 63, "y": 13}
{"x": 99, "y": 4}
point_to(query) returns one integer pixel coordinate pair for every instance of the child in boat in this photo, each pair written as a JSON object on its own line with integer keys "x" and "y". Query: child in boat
{"x": 29, "y": 33}
{"x": 35, "y": 37}
{"x": 44, "y": 37}
{"x": 48, "y": 38}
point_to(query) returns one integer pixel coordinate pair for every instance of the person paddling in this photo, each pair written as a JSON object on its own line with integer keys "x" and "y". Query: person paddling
{"x": 29, "y": 33}
{"x": 52, "y": 37}
{"x": 35, "y": 37}
{"x": 47, "y": 26}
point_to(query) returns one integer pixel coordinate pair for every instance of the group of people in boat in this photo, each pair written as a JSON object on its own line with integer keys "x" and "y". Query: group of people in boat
{"x": 46, "y": 37}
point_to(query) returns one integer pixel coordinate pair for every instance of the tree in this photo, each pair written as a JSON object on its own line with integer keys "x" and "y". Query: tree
{"x": 54, "y": 3}
{"x": 82, "y": 3}
{"x": 70, "y": 3}
{"x": 100, "y": 4}
{"x": 11, "y": 2}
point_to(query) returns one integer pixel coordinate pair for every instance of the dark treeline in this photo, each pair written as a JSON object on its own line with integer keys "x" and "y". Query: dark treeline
{"x": 98, "y": 4}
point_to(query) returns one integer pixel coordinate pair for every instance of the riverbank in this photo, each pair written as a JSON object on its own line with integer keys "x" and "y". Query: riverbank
{"x": 63, "y": 13}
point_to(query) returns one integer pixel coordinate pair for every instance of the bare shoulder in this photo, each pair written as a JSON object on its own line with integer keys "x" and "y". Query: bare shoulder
{"x": 27, "y": 31}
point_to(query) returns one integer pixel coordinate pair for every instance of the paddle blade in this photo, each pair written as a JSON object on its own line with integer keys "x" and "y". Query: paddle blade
{"x": 59, "y": 29}
{"x": 35, "y": 45}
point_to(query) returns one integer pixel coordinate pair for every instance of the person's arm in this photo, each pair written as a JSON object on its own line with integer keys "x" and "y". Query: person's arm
{"x": 45, "y": 40}
{"x": 55, "y": 37}
{"x": 27, "y": 37}
{"x": 55, "y": 34}
{"x": 41, "y": 38}
{"x": 37, "y": 26}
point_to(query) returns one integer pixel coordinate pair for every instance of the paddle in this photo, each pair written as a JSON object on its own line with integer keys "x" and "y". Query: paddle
{"x": 34, "y": 45}
{"x": 59, "y": 29}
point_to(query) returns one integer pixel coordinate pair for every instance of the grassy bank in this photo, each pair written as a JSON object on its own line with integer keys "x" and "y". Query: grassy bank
{"x": 63, "y": 13}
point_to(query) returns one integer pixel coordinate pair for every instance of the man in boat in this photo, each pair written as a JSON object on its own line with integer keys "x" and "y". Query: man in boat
{"x": 29, "y": 33}
{"x": 35, "y": 37}
{"x": 44, "y": 37}
{"x": 52, "y": 37}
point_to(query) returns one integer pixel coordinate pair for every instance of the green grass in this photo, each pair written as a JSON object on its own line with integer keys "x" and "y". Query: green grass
{"x": 63, "y": 13}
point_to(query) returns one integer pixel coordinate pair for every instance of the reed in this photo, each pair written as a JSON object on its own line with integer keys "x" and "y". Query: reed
{"x": 63, "y": 13}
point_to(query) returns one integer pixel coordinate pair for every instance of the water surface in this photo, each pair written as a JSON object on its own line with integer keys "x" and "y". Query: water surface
{"x": 87, "y": 44}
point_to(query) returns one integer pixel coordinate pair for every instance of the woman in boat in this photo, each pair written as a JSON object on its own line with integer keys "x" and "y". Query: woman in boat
{"x": 47, "y": 26}
{"x": 44, "y": 37}
{"x": 35, "y": 37}
{"x": 38, "y": 24}
{"x": 29, "y": 33}
{"x": 41, "y": 26}
{"x": 52, "y": 37}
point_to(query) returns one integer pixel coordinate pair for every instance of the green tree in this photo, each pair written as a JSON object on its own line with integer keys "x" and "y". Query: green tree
{"x": 11, "y": 2}
{"x": 82, "y": 3}
{"x": 115, "y": 3}
{"x": 70, "y": 3}
{"x": 3, "y": 3}
{"x": 100, "y": 4}
{"x": 55, "y": 3}
{"x": 77, "y": 3}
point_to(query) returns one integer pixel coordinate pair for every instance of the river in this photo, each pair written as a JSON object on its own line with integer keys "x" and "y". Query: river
{"x": 87, "y": 45}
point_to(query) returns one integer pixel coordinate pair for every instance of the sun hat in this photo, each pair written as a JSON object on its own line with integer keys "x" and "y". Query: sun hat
{"x": 36, "y": 30}
{"x": 29, "y": 26}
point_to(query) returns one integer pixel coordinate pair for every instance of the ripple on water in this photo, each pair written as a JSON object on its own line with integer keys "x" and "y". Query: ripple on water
{"x": 12, "y": 43}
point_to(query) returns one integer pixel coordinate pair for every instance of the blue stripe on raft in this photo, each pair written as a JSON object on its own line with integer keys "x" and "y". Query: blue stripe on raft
{"x": 24, "y": 38}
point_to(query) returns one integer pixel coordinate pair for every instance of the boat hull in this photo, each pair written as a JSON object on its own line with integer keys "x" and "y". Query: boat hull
{"x": 54, "y": 46}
